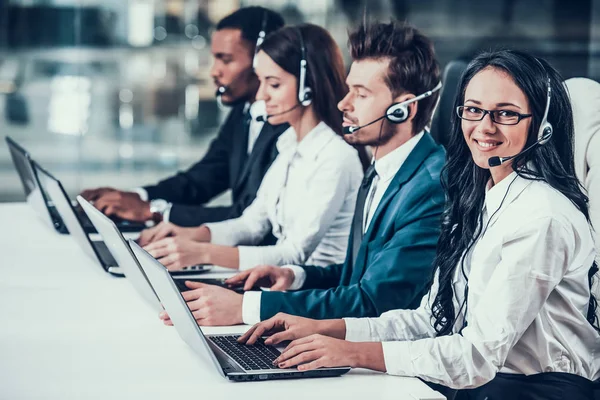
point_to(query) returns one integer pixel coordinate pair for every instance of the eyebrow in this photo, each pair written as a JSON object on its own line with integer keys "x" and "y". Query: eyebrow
{"x": 272, "y": 77}
{"x": 497, "y": 104}
{"x": 223, "y": 55}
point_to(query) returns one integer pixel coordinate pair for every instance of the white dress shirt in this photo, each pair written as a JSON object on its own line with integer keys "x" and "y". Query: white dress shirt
{"x": 257, "y": 108}
{"x": 527, "y": 304}
{"x": 386, "y": 168}
{"x": 306, "y": 199}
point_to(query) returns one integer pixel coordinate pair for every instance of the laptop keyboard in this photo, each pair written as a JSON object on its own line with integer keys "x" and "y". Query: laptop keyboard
{"x": 257, "y": 356}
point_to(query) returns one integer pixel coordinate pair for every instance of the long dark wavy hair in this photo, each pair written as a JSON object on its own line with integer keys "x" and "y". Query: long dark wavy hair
{"x": 325, "y": 73}
{"x": 464, "y": 182}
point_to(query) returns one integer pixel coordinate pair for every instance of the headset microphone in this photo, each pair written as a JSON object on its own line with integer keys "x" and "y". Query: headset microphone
{"x": 396, "y": 113}
{"x": 544, "y": 134}
{"x": 265, "y": 118}
{"x": 304, "y": 90}
{"x": 351, "y": 129}
{"x": 221, "y": 90}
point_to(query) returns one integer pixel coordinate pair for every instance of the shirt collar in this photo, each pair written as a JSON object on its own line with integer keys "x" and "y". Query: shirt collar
{"x": 504, "y": 192}
{"x": 388, "y": 165}
{"x": 257, "y": 109}
{"x": 310, "y": 145}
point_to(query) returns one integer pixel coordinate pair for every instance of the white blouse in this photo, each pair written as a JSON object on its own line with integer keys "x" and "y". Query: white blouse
{"x": 306, "y": 199}
{"x": 527, "y": 303}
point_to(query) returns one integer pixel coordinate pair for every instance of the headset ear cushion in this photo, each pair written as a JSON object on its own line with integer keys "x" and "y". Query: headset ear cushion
{"x": 397, "y": 113}
{"x": 306, "y": 97}
{"x": 546, "y": 133}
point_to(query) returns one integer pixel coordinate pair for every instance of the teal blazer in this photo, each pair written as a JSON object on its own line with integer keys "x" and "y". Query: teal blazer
{"x": 395, "y": 261}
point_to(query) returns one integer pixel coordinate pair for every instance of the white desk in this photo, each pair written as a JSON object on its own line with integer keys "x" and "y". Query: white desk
{"x": 70, "y": 331}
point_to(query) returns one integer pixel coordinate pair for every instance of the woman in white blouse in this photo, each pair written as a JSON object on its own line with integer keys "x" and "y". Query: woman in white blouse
{"x": 307, "y": 197}
{"x": 510, "y": 313}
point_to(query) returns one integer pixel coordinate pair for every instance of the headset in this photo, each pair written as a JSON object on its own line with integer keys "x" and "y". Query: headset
{"x": 305, "y": 93}
{"x": 397, "y": 112}
{"x": 221, "y": 90}
{"x": 544, "y": 132}
{"x": 261, "y": 38}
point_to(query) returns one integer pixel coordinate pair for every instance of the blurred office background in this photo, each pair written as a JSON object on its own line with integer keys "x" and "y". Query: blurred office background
{"x": 117, "y": 92}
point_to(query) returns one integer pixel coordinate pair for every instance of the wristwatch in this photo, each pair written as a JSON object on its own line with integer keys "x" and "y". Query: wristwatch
{"x": 158, "y": 207}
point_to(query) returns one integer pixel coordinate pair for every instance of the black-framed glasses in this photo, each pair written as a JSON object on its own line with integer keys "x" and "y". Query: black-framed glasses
{"x": 502, "y": 117}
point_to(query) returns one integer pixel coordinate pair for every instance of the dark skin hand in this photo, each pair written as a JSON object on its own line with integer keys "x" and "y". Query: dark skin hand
{"x": 125, "y": 205}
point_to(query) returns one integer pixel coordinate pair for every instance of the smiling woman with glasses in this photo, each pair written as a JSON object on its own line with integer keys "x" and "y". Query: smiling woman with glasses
{"x": 510, "y": 313}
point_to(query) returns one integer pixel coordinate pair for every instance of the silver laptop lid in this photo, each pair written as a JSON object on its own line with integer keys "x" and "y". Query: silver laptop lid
{"x": 122, "y": 253}
{"x": 63, "y": 205}
{"x": 171, "y": 299}
{"x": 25, "y": 170}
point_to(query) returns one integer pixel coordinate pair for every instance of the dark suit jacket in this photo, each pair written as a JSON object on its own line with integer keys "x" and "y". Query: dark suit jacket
{"x": 395, "y": 261}
{"x": 225, "y": 166}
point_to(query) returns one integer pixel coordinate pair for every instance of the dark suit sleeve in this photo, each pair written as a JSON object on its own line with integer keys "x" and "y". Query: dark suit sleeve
{"x": 397, "y": 274}
{"x": 184, "y": 215}
{"x": 204, "y": 180}
{"x": 322, "y": 278}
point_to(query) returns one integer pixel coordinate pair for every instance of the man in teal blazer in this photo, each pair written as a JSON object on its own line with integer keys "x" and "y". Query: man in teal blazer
{"x": 396, "y": 224}
{"x": 394, "y": 262}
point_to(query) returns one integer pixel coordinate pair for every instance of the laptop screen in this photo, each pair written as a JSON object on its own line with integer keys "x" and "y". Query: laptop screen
{"x": 35, "y": 194}
{"x": 22, "y": 164}
{"x": 120, "y": 250}
{"x": 171, "y": 299}
{"x": 63, "y": 204}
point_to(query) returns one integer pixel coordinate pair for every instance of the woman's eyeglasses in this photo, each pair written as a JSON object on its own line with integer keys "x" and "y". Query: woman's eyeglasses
{"x": 502, "y": 117}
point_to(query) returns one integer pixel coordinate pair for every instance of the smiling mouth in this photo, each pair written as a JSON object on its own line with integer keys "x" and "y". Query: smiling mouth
{"x": 487, "y": 144}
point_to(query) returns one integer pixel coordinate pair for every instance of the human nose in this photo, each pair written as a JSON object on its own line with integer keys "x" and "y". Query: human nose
{"x": 487, "y": 125}
{"x": 261, "y": 94}
{"x": 345, "y": 104}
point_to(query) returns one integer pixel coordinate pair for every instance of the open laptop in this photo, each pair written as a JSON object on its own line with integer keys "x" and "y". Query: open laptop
{"x": 36, "y": 197}
{"x": 95, "y": 250}
{"x": 235, "y": 361}
{"x": 21, "y": 158}
{"x": 119, "y": 248}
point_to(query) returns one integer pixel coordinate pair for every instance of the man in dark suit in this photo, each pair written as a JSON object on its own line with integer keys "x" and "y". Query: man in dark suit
{"x": 237, "y": 159}
{"x": 396, "y": 223}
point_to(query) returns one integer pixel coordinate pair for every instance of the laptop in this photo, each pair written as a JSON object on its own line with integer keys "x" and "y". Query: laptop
{"x": 97, "y": 251}
{"x": 21, "y": 158}
{"x": 235, "y": 361}
{"x": 36, "y": 197}
{"x": 128, "y": 263}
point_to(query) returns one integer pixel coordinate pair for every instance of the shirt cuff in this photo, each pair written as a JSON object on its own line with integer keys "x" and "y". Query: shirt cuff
{"x": 221, "y": 233}
{"x": 250, "y": 256}
{"x": 358, "y": 330}
{"x": 167, "y": 213}
{"x": 143, "y": 193}
{"x": 299, "y": 276}
{"x": 251, "y": 307}
{"x": 398, "y": 358}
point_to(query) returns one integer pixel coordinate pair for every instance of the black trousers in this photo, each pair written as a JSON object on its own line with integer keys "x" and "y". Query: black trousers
{"x": 544, "y": 386}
